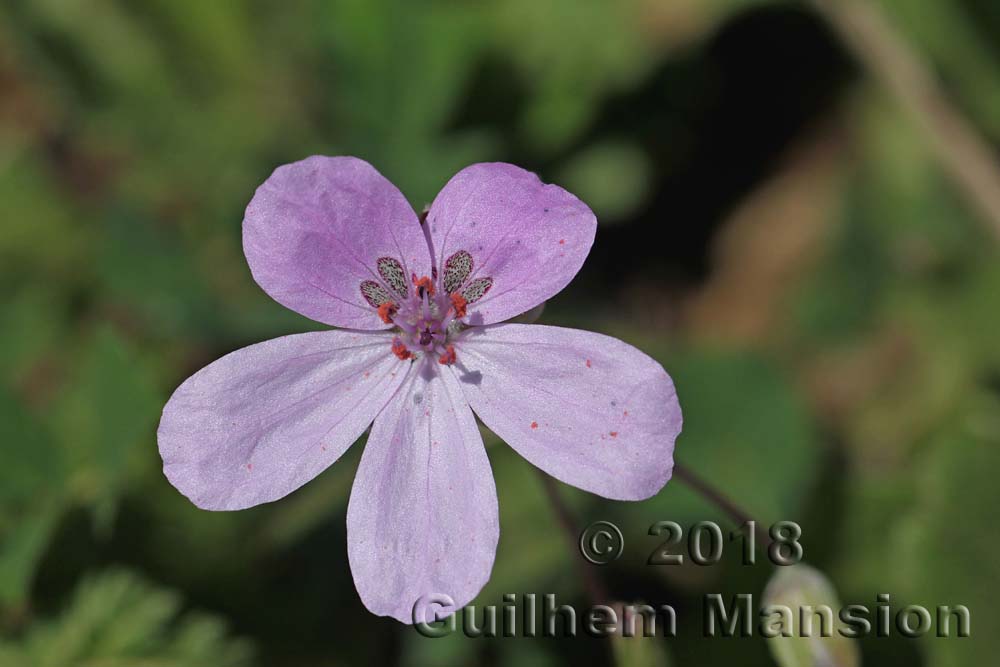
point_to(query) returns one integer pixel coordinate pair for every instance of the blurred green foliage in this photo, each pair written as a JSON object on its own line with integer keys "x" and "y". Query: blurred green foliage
{"x": 118, "y": 619}
{"x": 863, "y": 404}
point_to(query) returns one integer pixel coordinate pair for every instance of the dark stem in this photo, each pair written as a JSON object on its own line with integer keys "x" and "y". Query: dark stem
{"x": 717, "y": 498}
{"x": 592, "y": 584}
{"x": 959, "y": 146}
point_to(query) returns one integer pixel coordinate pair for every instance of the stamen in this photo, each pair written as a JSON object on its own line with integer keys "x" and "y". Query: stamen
{"x": 374, "y": 293}
{"x": 399, "y": 349}
{"x": 459, "y": 303}
{"x": 448, "y": 357}
{"x": 477, "y": 289}
{"x": 392, "y": 273}
{"x": 456, "y": 269}
{"x": 424, "y": 285}
{"x": 425, "y": 317}
{"x": 386, "y": 311}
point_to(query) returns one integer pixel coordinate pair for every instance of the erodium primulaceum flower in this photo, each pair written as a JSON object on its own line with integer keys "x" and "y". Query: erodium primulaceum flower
{"x": 422, "y": 347}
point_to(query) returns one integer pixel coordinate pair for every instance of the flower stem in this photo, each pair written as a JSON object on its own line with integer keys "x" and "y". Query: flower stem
{"x": 592, "y": 584}
{"x": 596, "y": 592}
{"x": 720, "y": 500}
{"x": 963, "y": 153}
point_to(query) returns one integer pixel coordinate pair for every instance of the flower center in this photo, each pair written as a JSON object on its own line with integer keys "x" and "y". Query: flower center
{"x": 427, "y": 316}
{"x": 426, "y": 320}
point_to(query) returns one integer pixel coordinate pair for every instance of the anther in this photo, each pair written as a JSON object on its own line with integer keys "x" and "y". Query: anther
{"x": 459, "y": 303}
{"x": 423, "y": 285}
{"x": 448, "y": 357}
{"x": 386, "y": 311}
{"x": 399, "y": 349}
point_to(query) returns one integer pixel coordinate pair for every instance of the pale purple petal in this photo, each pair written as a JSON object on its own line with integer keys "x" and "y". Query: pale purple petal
{"x": 264, "y": 420}
{"x": 588, "y": 409}
{"x": 315, "y": 231}
{"x": 422, "y": 521}
{"x": 528, "y": 237}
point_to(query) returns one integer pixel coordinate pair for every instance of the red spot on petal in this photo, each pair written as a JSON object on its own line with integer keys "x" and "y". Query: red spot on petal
{"x": 562, "y": 241}
{"x": 367, "y": 373}
{"x": 588, "y": 363}
{"x": 613, "y": 434}
{"x": 625, "y": 413}
{"x": 534, "y": 424}
{"x": 249, "y": 466}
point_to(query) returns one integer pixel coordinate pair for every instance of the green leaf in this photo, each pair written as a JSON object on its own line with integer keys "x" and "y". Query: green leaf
{"x": 569, "y": 76}
{"x": 959, "y": 47}
{"x": 945, "y": 552}
{"x": 401, "y": 67}
{"x": 23, "y": 545}
{"x": 31, "y": 497}
{"x": 43, "y": 235}
{"x": 30, "y": 326}
{"x": 612, "y": 177}
{"x": 746, "y": 431}
{"x": 874, "y": 502}
{"x": 795, "y": 587}
{"x": 32, "y": 464}
{"x": 117, "y": 619}
{"x": 105, "y": 417}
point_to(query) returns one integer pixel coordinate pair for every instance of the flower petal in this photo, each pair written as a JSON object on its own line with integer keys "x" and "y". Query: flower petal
{"x": 264, "y": 420}
{"x": 316, "y": 230}
{"x": 529, "y": 237}
{"x": 588, "y": 409}
{"x": 422, "y": 520}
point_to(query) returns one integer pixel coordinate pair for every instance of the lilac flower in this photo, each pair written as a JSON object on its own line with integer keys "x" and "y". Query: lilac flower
{"x": 423, "y": 347}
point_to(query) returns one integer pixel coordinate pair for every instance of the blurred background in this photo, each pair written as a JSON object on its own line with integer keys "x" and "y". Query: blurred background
{"x": 798, "y": 218}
